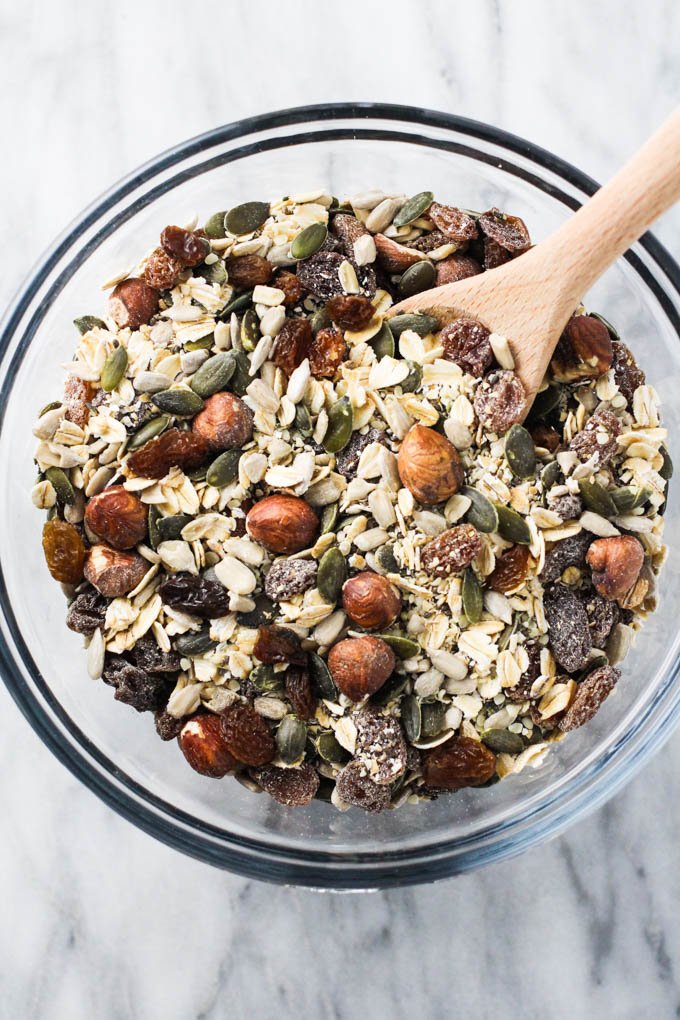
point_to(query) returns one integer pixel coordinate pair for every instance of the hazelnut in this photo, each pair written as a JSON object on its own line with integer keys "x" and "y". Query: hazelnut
{"x": 203, "y": 746}
{"x": 370, "y": 601}
{"x": 225, "y": 422}
{"x": 395, "y": 257}
{"x": 133, "y": 303}
{"x": 360, "y": 666}
{"x": 283, "y": 524}
{"x": 112, "y": 572}
{"x": 616, "y": 564}
{"x": 429, "y": 465}
{"x": 117, "y": 517}
{"x": 584, "y": 350}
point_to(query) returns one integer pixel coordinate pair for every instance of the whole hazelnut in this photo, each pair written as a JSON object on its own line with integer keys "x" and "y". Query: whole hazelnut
{"x": 203, "y": 746}
{"x": 370, "y": 601}
{"x": 616, "y": 564}
{"x": 429, "y": 465}
{"x": 117, "y": 517}
{"x": 360, "y": 666}
{"x": 225, "y": 422}
{"x": 282, "y": 524}
{"x": 133, "y": 303}
{"x": 112, "y": 572}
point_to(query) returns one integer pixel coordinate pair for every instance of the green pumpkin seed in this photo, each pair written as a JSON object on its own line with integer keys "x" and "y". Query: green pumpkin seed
{"x": 214, "y": 273}
{"x": 195, "y": 643}
{"x": 203, "y": 344}
{"x": 432, "y": 715}
{"x": 114, "y": 368}
{"x": 420, "y": 324}
{"x": 332, "y": 574}
{"x": 404, "y": 647}
{"x": 411, "y": 383}
{"x": 545, "y": 402}
{"x": 241, "y": 379}
{"x": 503, "y": 741}
{"x": 614, "y": 334}
{"x": 386, "y": 559}
{"x": 330, "y": 750}
{"x": 597, "y": 498}
{"x": 291, "y": 738}
{"x": 629, "y": 497}
{"x": 224, "y": 469}
{"x": 149, "y": 430}
{"x": 550, "y": 474}
{"x": 52, "y": 406}
{"x": 473, "y": 599}
{"x": 302, "y": 421}
{"x": 214, "y": 374}
{"x": 250, "y": 330}
{"x": 61, "y": 485}
{"x": 393, "y": 687}
{"x": 263, "y": 613}
{"x": 319, "y": 320}
{"x": 87, "y": 322}
{"x": 329, "y": 516}
{"x": 235, "y": 305}
{"x": 309, "y": 240}
{"x": 666, "y": 469}
{"x": 339, "y": 431}
{"x": 265, "y": 679}
{"x": 520, "y": 452}
{"x": 383, "y": 342}
{"x": 152, "y": 524}
{"x": 321, "y": 678}
{"x": 170, "y": 528}
{"x": 418, "y": 277}
{"x": 413, "y": 208}
{"x": 243, "y": 219}
{"x": 214, "y": 225}
{"x": 482, "y": 514}
{"x": 411, "y": 718}
{"x": 183, "y": 403}
{"x": 512, "y": 526}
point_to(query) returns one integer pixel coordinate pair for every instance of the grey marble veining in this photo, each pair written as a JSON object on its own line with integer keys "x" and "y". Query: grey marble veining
{"x": 98, "y": 920}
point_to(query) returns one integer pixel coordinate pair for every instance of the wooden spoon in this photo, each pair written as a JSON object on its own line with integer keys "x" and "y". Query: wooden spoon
{"x": 530, "y": 299}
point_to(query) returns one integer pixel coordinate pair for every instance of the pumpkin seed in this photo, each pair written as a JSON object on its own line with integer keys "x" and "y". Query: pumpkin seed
{"x": 419, "y": 323}
{"x": 291, "y": 738}
{"x": 235, "y": 305}
{"x": 628, "y": 497}
{"x": 241, "y": 379}
{"x": 404, "y": 647}
{"x": 309, "y": 240}
{"x": 432, "y": 715}
{"x": 473, "y": 599}
{"x": 597, "y": 498}
{"x": 417, "y": 278}
{"x": 605, "y": 322}
{"x": 330, "y": 750}
{"x": 149, "y": 430}
{"x": 520, "y": 452}
{"x": 170, "y": 528}
{"x": 203, "y": 344}
{"x": 243, "y": 219}
{"x": 250, "y": 330}
{"x": 666, "y": 469}
{"x": 512, "y": 526}
{"x": 224, "y": 469}
{"x": 61, "y": 484}
{"x": 302, "y": 421}
{"x": 321, "y": 678}
{"x": 332, "y": 574}
{"x": 550, "y": 474}
{"x": 383, "y": 342}
{"x": 214, "y": 225}
{"x": 319, "y": 320}
{"x": 482, "y": 514}
{"x": 329, "y": 516}
{"x": 195, "y": 643}
{"x": 545, "y": 402}
{"x": 183, "y": 403}
{"x": 152, "y": 524}
{"x": 263, "y": 613}
{"x": 265, "y": 679}
{"x": 52, "y": 406}
{"x": 414, "y": 208}
{"x": 386, "y": 559}
{"x": 214, "y": 374}
{"x": 114, "y": 368}
{"x": 503, "y": 741}
{"x": 411, "y": 718}
{"x": 87, "y": 322}
{"x": 339, "y": 431}
{"x": 411, "y": 383}
{"x": 392, "y": 688}
{"x": 214, "y": 273}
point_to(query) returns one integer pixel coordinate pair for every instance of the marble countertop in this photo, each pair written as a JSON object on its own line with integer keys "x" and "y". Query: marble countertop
{"x": 98, "y": 920}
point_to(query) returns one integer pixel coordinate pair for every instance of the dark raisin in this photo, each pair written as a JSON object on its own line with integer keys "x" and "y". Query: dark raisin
{"x": 569, "y": 633}
{"x": 278, "y": 644}
{"x": 570, "y": 552}
{"x": 459, "y": 762}
{"x": 511, "y": 569}
{"x": 188, "y": 247}
{"x": 356, "y": 788}
{"x": 264, "y": 612}
{"x": 350, "y": 311}
{"x": 508, "y": 232}
{"x": 247, "y": 735}
{"x": 327, "y": 353}
{"x": 454, "y": 223}
{"x": 590, "y": 694}
{"x": 195, "y": 595}
{"x": 167, "y": 727}
{"x": 428, "y": 242}
{"x": 299, "y": 692}
{"x": 289, "y": 577}
{"x": 87, "y": 612}
{"x": 292, "y": 344}
{"x": 456, "y": 267}
{"x": 545, "y": 436}
{"x": 148, "y": 656}
{"x": 347, "y": 461}
{"x": 466, "y": 342}
{"x": 380, "y": 745}
{"x": 134, "y": 686}
{"x": 290, "y": 787}
{"x": 291, "y": 286}
{"x": 247, "y": 271}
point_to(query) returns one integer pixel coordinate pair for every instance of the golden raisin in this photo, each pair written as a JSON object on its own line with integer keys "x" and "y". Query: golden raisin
{"x": 511, "y": 569}
{"x": 350, "y": 311}
{"x": 292, "y": 344}
{"x": 248, "y": 270}
{"x": 459, "y": 762}
{"x": 64, "y": 551}
{"x": 162, "y": 270}
{"x": 327, "y": 353}
{"x": 292, "y": 287}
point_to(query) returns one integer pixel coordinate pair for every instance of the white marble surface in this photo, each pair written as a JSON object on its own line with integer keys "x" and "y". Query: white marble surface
{"x": 97, "y": 920}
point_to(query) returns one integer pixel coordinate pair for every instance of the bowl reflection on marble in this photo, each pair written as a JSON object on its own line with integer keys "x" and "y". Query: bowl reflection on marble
{"x": 344, "y": 148}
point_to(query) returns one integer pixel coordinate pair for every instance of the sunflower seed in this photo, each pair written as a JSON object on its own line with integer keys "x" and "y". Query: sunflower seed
{"x": 214, "y": 374}
{"x": 512, "y": 526}
{"x": 339, "y": 429}
{"x": 243, "y": 219}
{"x": 224, "y": 469}
{"x": 114, "y": 368}
{"x": 183, "y": 403}
{"x": 520, "y": 452}
{"x": 417, "y": 278}
{"x": 482, "y": 514}
{"x": 332, "y": 574}
{"x": 309, "y": 240}
{"x": 473, "y": 599}
{"x": 420, "y": 324}
{"x": 413, "y": 208}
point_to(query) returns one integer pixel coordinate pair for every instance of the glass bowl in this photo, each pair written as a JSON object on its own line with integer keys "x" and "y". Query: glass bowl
{"x": 112, "y": 749}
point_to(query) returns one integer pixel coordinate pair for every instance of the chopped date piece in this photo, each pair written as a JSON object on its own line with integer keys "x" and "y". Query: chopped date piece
{"x": 499, "y": 401}
{"x": 134, "y": 686}
{"x": 64, "y": 551}
{"x": 602, "y": 615}
{"x": 327, "y": 353}
{"x": 466, "y": 342}
{"x": 246, "y": 735}
{"x": 174, "y": 448}
{"x": 290, "y": 787}
{"x": 187, "y": 246}
{"x": 289, "y": 577}
{"x": 454, "y": 223}
{"x": 87, "y": 612}
{"x": 511, "y": 569}
{"x": 590, "y": 694}
{"x": 354, "y": 787}
{"x": 598, "y": 438}
{"x": 380, "y": 745}
{"x": 347, "y": 461}
{"x": 147, "y": 655}
{"x": 204, "y": 747}
{"x": 627, "y": 373}
{"x": 246, "y": 271}
{"x": 77, "y": 395}
{"x": 454, "y": 268}
{"x": 162, "y": 270}
{"x": 197, "y": 596}
{"x": 278, "y": 644}
{"x": 292, "y": 344}
{"x": 451, "y": 551}
{"x": 350, "y": 311}
{"x": 568, "y": 628}
{"x": 570, "y": 552}
{"x": 459, "y": 762}
{"x": 225, "y": 423}
{"x": 522, "y": 689}
{"x": 568, "y": 506}
{"x": 291, "y": 286}
{"x": 117, "y": 517}
{"x": 299, "y": 692}
{"x": 167, "y": 727}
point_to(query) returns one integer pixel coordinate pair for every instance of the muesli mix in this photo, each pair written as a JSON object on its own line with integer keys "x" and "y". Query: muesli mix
{"x": 314, "y": 540}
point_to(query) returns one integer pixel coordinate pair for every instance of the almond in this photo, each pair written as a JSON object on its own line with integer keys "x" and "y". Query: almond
{"x": 395, "y": 257}
{"x": 584, "y": 350}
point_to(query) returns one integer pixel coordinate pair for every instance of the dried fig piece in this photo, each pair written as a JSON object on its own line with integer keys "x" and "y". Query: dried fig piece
{"x": 135, "y": 687}
{"x": 320, "y": 275}
{"x": 117, "y": 517}
{"x": 590, "y": 694}
{"x": 327, "y": 353}
{"x": 466, "y": 342}
{"x": 287, "y": 578}
{"x": 522, "y": 690}
{"x": 290, "y": 787}
{"x": 174, "y": 448}
{"x": 584, "y": 351}
{"x": 133, "y": 303}
{"x": 454, "y": 223}
{"x": 603, "y": 615}
{"x": 64, "y": 551}
{"x": 616, "y": 564}
{"x": 568, "y": 506}
{"x": 627, "y": 373}
{"x": 459, "y": 762}
{"x": 147, "y": 655}
{"x": 348, "y": 229}
{"x": 225, "y": 422}
{"x": 499, "y": 401}
{"x": 202, "y": 744}
{"x": 350, "y": 311}
{"x": 598, "y": 438}
{"x": 167, "y": 727}
{"x": 356, "y": 788}
{"x": 188, "y": 246}
{"x": 456, "y": 267}
{"x": 292, "y": 344}
{"x": 511, "y": 570}
{"x": 278, "y": 644}
{"x": 570, "y": 552}
{"x": 112, "y": 572}
{"x": 162, "y": 270}
{"x": 569, "y": 632}
{"x": 246, "y": 271}
{"x": 291, "y": 286}
{"x": 451, "y": 551}
{"x": 299, "y": 692}
{"x": 347, "y": 461}
{"x": 380, "y": 745}
{"x": 246, "y": 735}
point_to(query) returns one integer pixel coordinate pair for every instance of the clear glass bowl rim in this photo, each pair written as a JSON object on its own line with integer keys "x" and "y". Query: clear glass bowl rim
{"x": 258, "y": 859}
